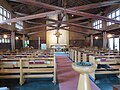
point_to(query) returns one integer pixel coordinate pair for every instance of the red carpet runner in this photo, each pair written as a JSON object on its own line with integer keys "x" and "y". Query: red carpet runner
{"x": 67, "y": 77}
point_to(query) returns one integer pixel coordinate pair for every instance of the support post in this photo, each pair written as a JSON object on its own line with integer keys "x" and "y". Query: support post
{"x": 104, "y": 23}
{"x": 23, "y": 40}
{"x": 13, "y": 41}
{"x": 38, "y": 42}
{"x": 104, "y": 40}
{"x": 91, "y": 38}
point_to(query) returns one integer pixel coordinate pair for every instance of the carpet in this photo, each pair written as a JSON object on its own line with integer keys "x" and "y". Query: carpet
{"x": 67, "y": 77}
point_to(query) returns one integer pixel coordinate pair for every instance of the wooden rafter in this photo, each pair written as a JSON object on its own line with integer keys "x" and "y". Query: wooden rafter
{"x": 96, "y": 5}
{"x": 87, "y": 15}
{"x": 63, "y": 22}
{"x": 38, "y": 26}
{"x": 41, "y": 15}
{"x": 79, "y": 13}
{"x": 31, "y": 33}
{"x": 89, "y": 28}
{"x": 72, "y": 20}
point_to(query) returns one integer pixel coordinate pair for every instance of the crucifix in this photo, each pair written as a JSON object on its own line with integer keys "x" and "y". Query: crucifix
{"x": 57, "y": 34}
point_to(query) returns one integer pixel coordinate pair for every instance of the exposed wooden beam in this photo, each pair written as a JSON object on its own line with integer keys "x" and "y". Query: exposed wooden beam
{"x": 34, "y": 32}
{"x": 86, "y": 22}
{"x": 18, "y": 6}
{"x": 59, "y": 27}
{"x": 62, "y": 22}
{"x": 55, "y": 28}
{"x": 79, "y": 13}
{"x": 73, "y": 24}
{"x": 35, "y": 23}
{"x": 88, "y": 15}
{"x": 41, "y": 15}
{"x": 78, "y": 25}
{"x": 71, "y": 20}
{"x": 38, "y": 26}
{"x": 31, "y": 33}
{"x": 86, "y": 27}
{"x": 96, "y": 5}
{"x": 77, "y": 19}
{"x": 20, "y": 14}
{"x": 77, "y": 31}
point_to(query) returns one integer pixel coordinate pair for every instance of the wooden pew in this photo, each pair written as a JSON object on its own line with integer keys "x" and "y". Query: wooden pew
{"x": 22, "y": 68}
{"x": 109, "y": 61}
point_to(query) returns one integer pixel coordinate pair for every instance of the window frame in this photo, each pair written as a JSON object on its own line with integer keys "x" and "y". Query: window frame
{"x": 4, "y": 14}
{"x": 114, "y": 15}
{"x": 97, "y": 24}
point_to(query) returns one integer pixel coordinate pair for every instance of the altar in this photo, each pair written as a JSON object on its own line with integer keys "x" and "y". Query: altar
{"x": 58, "y": 47}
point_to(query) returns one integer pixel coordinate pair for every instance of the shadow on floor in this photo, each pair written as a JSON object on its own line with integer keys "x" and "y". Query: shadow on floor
{"x": 106, "y": 82}
{"x": 30, "y": 84}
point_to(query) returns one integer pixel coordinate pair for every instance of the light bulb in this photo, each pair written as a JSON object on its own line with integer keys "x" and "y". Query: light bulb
{"x": 109, "y": 35}
{"x": 5, "y": 36}
{"x": 96, "y": 37}
{"x": 16, "y": 38}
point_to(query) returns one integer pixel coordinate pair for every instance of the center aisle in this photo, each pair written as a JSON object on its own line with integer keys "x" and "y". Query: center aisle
{"x": 67, "y": 77}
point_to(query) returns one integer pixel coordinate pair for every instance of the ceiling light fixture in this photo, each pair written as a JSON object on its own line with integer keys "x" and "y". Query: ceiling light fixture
{"x": 5, "y": 36}
{"x": 96, "y": 37}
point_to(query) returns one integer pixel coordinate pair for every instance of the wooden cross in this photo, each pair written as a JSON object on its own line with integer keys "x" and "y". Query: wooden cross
{"x": 57, "y": 34}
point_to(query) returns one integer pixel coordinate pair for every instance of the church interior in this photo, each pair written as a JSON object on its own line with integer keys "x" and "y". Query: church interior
{"x": 59, "y": 44}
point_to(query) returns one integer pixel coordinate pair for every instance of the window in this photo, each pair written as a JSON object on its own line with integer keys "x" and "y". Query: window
{"x": 4, "y": 40}
{"x": 4, "y": 14}
{"x": 116, "y": 44}
{"x": 113, "y": 43}
{"x": 110, "y": 40}
{"x": 8, "y": 40}
{"x": 27, "y": 43}
{"x": 114, "y": 15}
{"x": 19, "y": 25}
{"x": 97, "y": 24}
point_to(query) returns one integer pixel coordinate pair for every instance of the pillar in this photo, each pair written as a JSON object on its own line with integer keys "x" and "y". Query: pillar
{"x": 91, "y": 39}
{"x": 104, "y": 25}
{"x": 23, "y": 40}
{"x": 104, "y": 40}
{"x": 13, "y": 41}
{"x": 38, "y": 42}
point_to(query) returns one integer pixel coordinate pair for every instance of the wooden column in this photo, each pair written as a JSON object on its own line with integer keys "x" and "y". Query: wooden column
{"x": 13, "y": 41}
{"x": 38, "y": 42}
{"x": 91, "y": 39}
{"x": 104, "y": 40}
{"x": 23, "y": 40}
{"x": 104, "y": 25}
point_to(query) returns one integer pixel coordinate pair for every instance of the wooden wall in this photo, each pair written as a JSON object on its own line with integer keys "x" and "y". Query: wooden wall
{"x": 34, "y": 38}
{"x": 5, "y": 46}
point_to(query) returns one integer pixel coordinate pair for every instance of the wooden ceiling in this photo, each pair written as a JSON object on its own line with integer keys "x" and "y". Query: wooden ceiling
{"x": 29, "y": 9}
{"x": 83, "y": 11}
